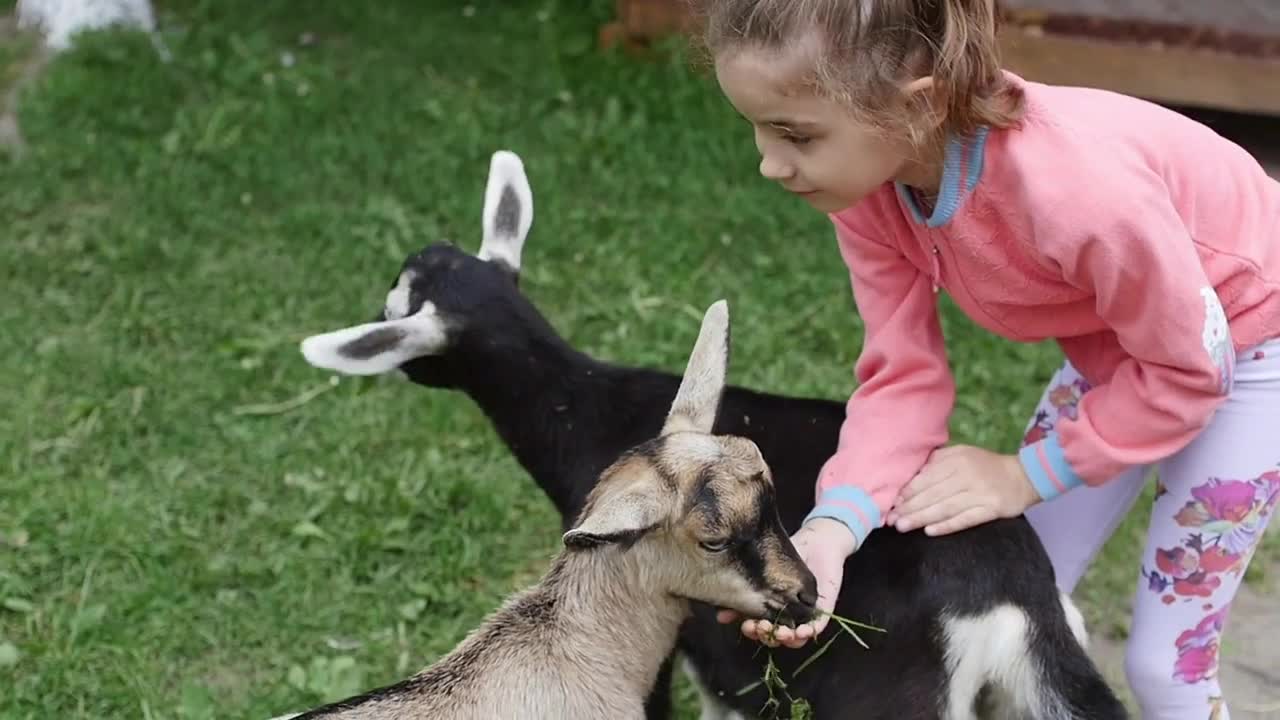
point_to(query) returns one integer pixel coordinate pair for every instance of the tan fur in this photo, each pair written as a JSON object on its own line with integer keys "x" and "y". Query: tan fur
{"x": 599, "y": 661}
{"x": 587, "y": 640}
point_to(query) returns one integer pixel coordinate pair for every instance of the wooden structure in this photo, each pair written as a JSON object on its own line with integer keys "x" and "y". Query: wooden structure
{"x": 1222, "y": 54}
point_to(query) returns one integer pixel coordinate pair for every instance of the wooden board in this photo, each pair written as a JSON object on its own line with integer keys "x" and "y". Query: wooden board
{"x": 1222, "y": 54}
{"x": 652, "y": 18}
{"x": 1239, "y": 27}
{"x": 639, "y": 21}
{"x": 1174, "y": 75}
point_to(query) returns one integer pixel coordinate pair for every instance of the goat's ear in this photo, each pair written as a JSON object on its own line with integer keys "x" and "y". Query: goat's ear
{"x": 698, "y": 399}
{"x": 508, "y": 211}
{"x": 621, "y": 513}
{"x": 378, "y": 347}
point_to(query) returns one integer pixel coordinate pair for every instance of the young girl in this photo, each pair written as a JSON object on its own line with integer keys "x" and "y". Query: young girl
{"x": 1145, "y": 244}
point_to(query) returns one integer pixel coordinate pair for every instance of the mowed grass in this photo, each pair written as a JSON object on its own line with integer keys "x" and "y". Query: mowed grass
{"x": 169, "y": 548}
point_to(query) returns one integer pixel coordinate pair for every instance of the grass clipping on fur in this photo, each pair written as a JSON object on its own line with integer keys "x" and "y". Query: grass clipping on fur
{"x": 777, "y": 687}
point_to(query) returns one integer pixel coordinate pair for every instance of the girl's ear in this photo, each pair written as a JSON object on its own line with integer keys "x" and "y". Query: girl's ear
{"x": 925, "y": 94}
{"x": 919, "y": 84}
{"x": 928, "y": 109}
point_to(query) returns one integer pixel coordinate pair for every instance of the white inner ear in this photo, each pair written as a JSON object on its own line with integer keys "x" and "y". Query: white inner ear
{"x": 378, "y": 347}
{"x": 621, "y": 511}
{"x": 508, "y": 210}
{"x": 397, "y": 304}
{"x": 698, "y": 398}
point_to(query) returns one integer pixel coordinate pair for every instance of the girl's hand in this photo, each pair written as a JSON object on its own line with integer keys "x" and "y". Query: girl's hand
{"x": 823, "y": 544}
{"x": 962, "y": 486}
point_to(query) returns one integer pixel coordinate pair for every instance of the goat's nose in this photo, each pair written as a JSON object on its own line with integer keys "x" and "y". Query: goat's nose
{"x": 803, "y": 605}
{"x": 809, "y": 591}
{"x": 800, "y": 611}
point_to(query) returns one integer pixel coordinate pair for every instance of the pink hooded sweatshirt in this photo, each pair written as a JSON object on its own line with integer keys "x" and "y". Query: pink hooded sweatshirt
{"x": 1144, "y": 243}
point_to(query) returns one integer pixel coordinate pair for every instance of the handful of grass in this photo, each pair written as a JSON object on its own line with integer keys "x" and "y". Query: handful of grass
{"x": 776, "y": 686}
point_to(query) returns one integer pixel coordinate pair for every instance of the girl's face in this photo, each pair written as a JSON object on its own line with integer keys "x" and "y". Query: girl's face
{"x": 810, "y": 145}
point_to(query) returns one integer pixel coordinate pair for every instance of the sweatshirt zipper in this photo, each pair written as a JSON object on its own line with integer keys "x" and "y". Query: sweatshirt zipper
{"x": 937, "y": 268}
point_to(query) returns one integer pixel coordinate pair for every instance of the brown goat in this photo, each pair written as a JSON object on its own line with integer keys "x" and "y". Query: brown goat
{"x": 684, "y": 516}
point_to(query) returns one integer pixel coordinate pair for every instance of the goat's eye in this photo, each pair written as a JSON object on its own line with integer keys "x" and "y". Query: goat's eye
{"x": 716, "y": 546}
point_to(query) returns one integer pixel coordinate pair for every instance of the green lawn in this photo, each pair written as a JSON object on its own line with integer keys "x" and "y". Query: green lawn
{"x": 175, "y": 229}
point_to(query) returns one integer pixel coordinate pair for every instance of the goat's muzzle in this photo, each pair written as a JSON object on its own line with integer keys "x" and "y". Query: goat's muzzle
{"x": 803, "y": 607}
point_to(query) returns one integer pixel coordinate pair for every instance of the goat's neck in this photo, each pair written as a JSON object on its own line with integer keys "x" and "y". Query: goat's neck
{"x": 620, "y": 621}
{"x": 545, "y": 400}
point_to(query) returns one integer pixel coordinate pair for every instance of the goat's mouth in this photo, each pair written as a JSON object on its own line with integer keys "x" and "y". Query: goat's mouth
{"x": 791, "y": 614}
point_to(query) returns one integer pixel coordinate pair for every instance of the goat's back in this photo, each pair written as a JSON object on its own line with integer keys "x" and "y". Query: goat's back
{"x": 517, "y": 665}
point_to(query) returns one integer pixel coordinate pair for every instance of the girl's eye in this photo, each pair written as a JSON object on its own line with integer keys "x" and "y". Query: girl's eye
{"x": 788, "y": 134}
{"x": 715, "y": 546}
{"x": 792, "y": 136}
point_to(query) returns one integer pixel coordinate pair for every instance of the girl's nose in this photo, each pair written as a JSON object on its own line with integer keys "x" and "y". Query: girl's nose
{"x": 774, "y": 169}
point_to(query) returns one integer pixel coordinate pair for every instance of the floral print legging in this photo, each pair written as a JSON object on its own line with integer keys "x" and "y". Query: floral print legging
{"x": 1212, "y": 503}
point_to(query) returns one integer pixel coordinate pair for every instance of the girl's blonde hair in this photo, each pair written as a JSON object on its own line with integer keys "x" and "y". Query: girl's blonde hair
{"x": 868, "y": 48}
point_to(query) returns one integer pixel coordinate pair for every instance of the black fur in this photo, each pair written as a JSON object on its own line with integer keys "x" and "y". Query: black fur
{"x": 566, "y": 416}
{"x": 623, "y": 538}
{"x": 704, "y": 498}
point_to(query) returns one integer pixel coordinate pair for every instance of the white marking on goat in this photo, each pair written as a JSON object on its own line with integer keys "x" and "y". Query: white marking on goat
{"x": 1075, "y": 620}
{"x": 397, "y": 305}
{"x": 388, "y": 344}
{"x": 991, "y": 648}
{"x": 508, "y": 210}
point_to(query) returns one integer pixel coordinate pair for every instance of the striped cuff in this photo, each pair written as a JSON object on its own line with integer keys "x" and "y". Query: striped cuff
{"x": 851, "y": 506}
{"x": 1047, "y": 466}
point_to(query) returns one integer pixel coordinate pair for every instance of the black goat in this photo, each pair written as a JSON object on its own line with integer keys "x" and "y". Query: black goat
{"x": 975, "y": 626}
